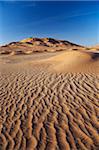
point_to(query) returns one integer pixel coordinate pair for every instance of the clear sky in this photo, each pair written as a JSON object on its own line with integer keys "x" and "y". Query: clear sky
{"x": 70, "y": 20}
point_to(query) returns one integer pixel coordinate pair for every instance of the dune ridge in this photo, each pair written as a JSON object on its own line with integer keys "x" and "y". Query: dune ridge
{"x": 32, "y": 45}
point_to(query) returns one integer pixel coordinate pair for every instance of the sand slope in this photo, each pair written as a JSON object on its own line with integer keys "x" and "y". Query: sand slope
{"x": 76, "y": 61}
{"x": 47, "y": 105}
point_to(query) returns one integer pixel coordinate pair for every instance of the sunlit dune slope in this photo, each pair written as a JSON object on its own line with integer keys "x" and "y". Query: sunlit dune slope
{"x": 76, "y": 61}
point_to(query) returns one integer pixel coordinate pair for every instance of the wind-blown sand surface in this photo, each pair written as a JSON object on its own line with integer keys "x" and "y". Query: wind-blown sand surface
{"x": 49, "y": 101}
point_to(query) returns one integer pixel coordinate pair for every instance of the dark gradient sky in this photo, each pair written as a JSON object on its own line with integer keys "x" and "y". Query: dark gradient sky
{"x": 74, "y": 21}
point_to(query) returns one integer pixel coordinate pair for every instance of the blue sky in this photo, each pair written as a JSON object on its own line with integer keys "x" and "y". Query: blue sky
{"x": 75, "y": 21}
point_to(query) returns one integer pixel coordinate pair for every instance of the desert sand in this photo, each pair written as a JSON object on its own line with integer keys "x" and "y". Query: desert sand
{"x": 49, "y": 101}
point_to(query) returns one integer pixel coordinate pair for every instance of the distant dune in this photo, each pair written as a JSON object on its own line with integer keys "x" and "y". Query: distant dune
{"x": 49, "y": 100}
{"x": 96, "y": 47}
{"x": 31, "y": 45}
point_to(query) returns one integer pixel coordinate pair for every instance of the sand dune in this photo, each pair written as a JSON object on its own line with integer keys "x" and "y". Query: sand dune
{"x": 32, "y": 45}
{"x": 76, "y": 61}
{"x": 49, "y": 101}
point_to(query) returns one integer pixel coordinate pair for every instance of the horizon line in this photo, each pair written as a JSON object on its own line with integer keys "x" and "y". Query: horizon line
{"x": 87, "y": 45}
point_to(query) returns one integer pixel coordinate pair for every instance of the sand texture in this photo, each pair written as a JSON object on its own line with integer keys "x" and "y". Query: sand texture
{"x": 49, "y": 101}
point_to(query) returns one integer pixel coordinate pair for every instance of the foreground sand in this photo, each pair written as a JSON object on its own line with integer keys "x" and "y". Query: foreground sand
{"x": 49, "y": 101}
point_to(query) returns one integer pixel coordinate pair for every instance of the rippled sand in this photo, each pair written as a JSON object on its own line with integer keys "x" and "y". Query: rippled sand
{"x": 45, "y": 104}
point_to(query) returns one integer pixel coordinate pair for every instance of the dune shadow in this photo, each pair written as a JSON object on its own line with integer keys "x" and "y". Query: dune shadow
{"x": 95, "y": 56}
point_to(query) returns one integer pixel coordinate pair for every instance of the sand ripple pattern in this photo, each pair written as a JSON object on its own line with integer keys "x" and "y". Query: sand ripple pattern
{"x": 52, "y": 111}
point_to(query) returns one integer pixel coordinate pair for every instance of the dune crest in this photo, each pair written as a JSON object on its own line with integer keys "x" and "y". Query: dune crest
{"x": 32, "y": 45}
